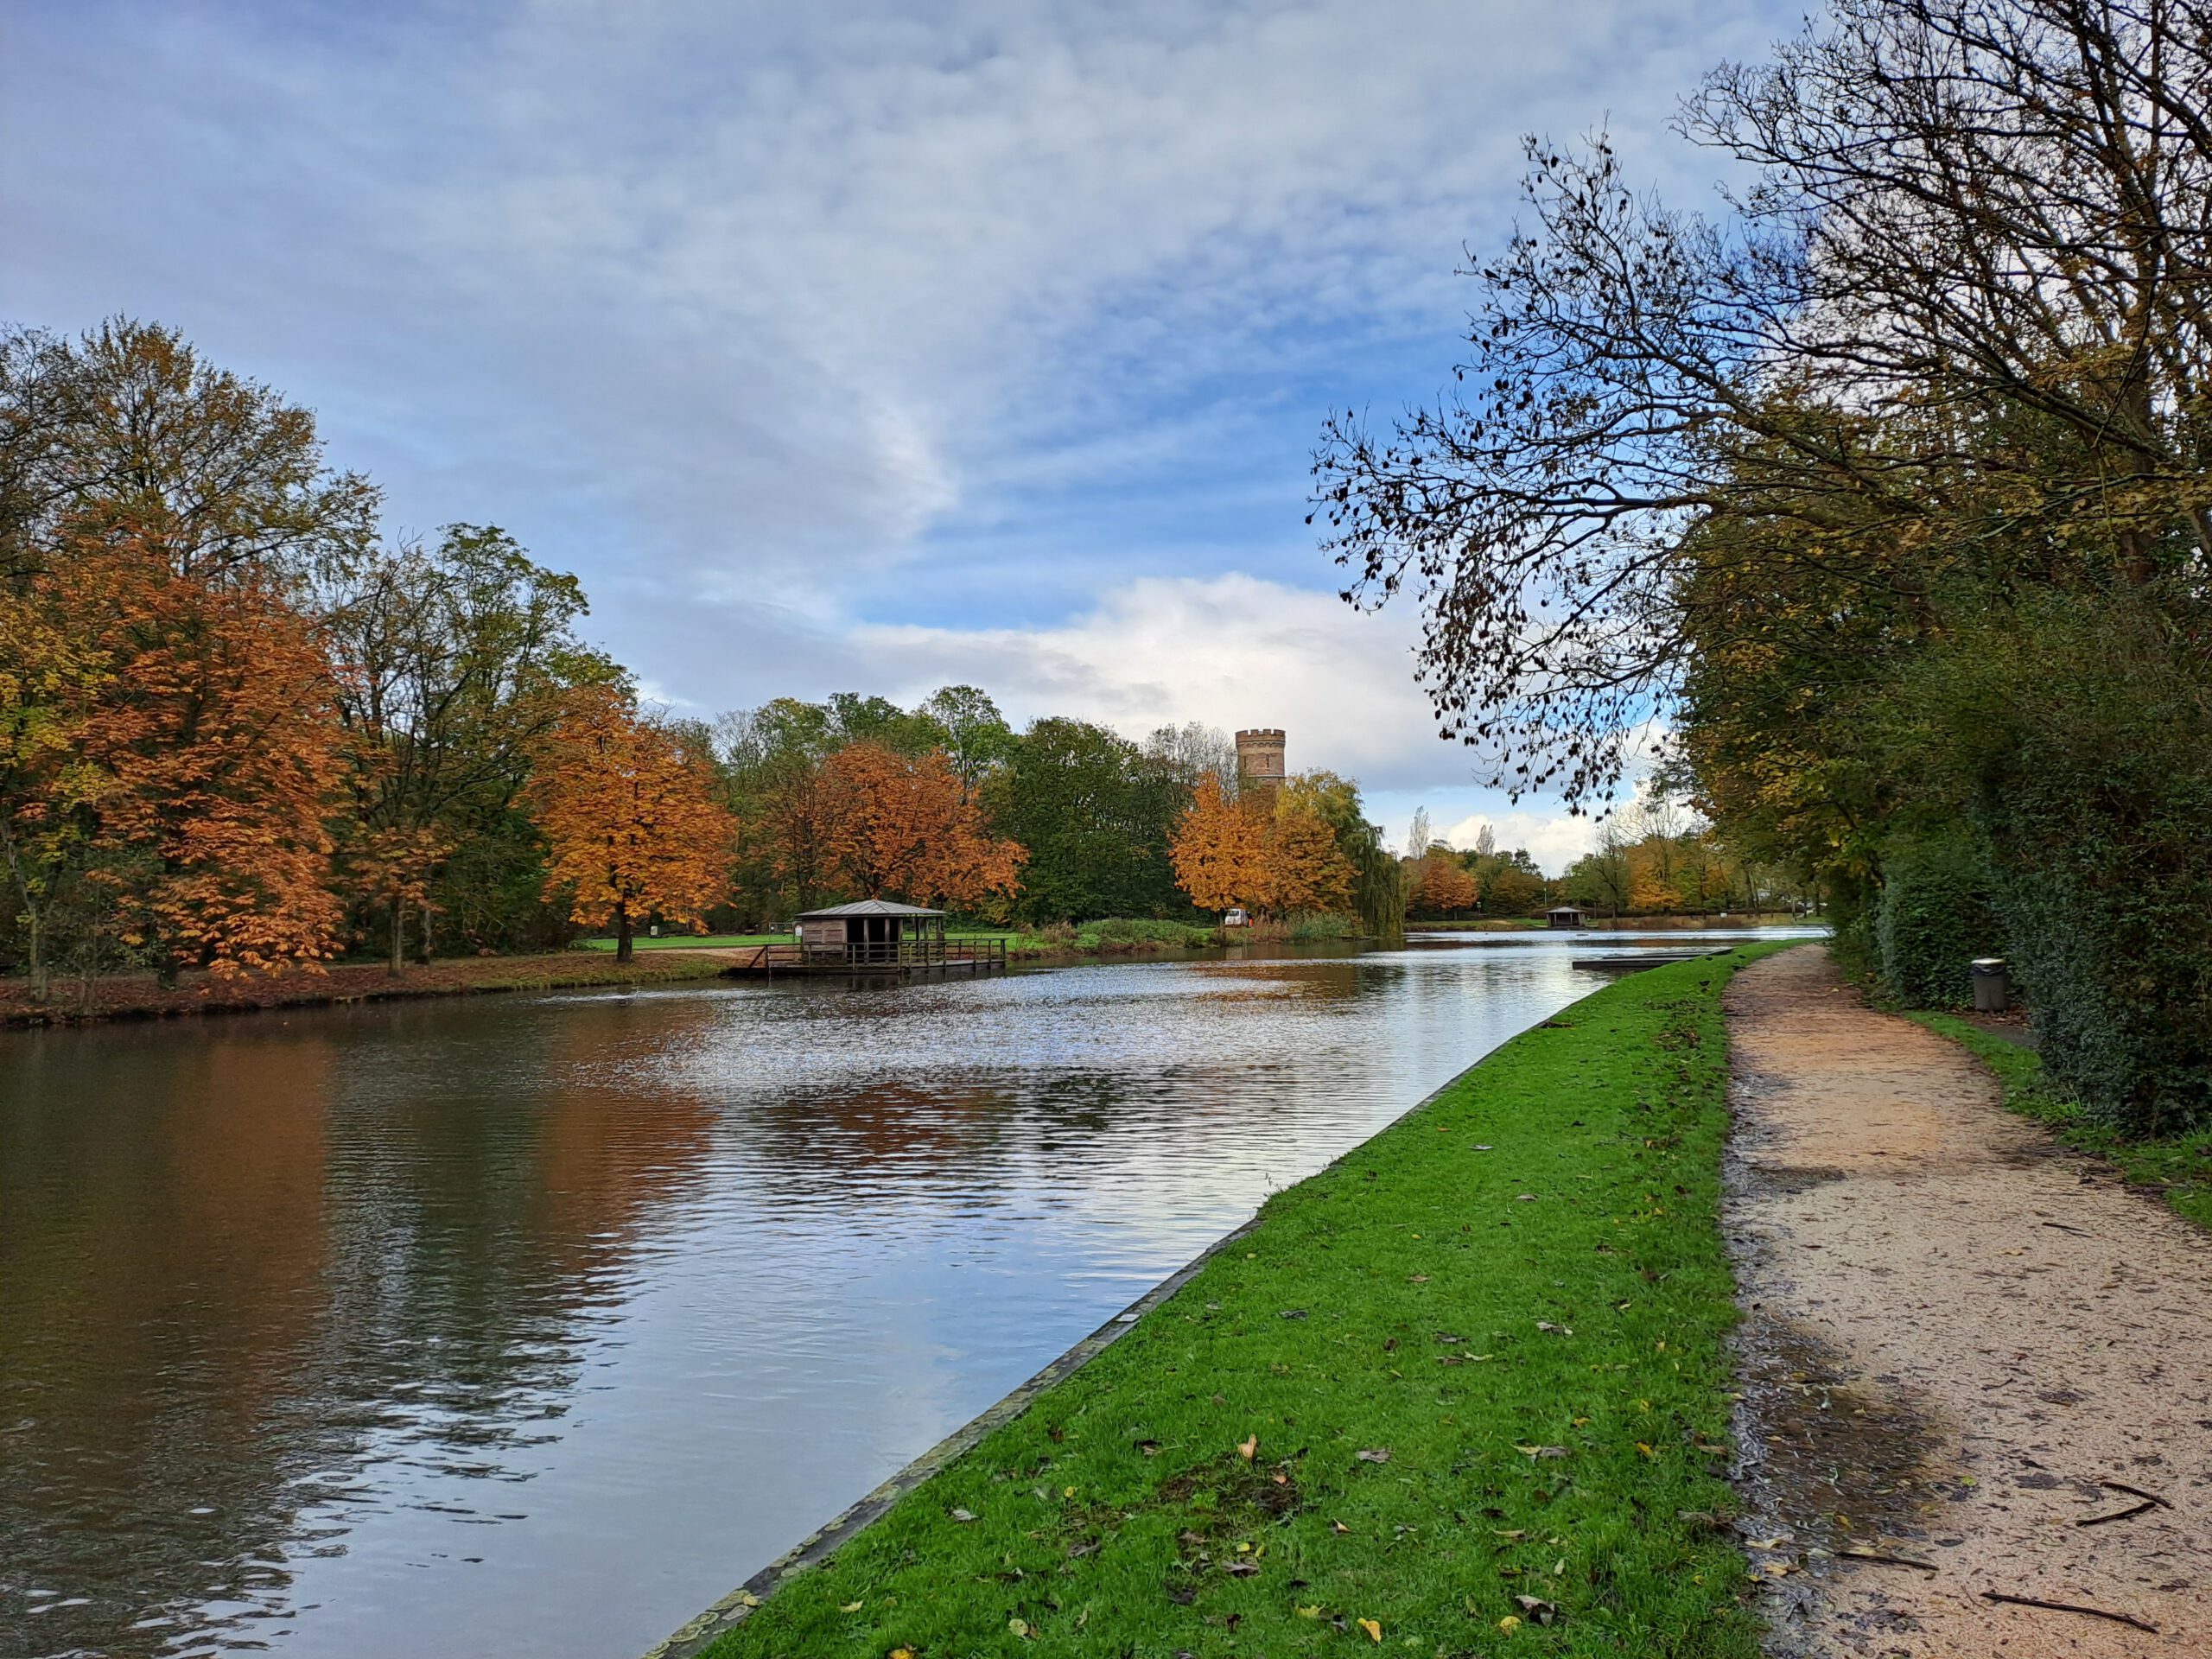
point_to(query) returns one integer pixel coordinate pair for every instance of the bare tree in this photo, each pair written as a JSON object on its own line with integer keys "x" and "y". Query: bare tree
{"x": 1971, "y": 279}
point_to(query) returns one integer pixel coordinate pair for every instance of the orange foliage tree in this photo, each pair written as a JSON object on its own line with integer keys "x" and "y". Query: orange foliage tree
{"x": 1441, "y": 884}
{"x": 1271, "y": 851}
{"x": 1304, "y": 868}
{"x": 903, "y": 827}
{"x": 1218, "y": 848}
{"x": 629, "y": 817}
{"x": 208, "y": 760}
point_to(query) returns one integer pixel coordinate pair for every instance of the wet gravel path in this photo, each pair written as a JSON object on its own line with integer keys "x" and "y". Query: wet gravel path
{"x": 1960, "y": 1344}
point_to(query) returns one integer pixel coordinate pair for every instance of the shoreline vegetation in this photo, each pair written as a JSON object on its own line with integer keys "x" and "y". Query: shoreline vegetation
{"x": 1466, "y": 1382}
{"x": 141, "y": 996}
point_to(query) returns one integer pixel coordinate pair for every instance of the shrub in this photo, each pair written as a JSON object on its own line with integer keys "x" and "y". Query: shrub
{"x": 1932, "y": 919}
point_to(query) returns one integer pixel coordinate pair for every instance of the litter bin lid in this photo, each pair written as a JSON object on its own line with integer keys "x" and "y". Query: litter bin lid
{"x": 1987, "y": 964}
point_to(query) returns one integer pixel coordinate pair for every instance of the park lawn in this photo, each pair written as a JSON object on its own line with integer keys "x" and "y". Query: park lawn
{"x": 2180, "y": 1165}
{"x": 690, "y": 941}
{"x": 1478, "y": 1358}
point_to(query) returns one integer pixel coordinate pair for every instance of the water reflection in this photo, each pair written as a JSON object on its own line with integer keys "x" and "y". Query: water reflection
{"x": 492, "y": 1326}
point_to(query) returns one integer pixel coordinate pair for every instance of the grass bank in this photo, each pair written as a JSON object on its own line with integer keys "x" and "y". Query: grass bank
{"x": 2180, "y": 1167}
{"x": 1464, "y": 1392}
{"x": 139, "y": 996}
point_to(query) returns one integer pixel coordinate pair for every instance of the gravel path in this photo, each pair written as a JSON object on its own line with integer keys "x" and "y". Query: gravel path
{"x": 1960, "y": 1344}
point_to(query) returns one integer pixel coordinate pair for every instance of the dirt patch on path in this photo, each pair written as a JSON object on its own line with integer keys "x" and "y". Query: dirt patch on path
{"x": 1960, "y": 1343}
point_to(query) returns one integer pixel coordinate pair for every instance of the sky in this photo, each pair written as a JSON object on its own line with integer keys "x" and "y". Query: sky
{"x": 858, "y": 347}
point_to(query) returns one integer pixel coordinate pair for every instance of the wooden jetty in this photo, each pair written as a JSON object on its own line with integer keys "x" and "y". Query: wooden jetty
{"x": 872, "y": 936}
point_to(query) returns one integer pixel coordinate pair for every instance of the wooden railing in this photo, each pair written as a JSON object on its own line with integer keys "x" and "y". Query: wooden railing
{"x": 913, "y": 953}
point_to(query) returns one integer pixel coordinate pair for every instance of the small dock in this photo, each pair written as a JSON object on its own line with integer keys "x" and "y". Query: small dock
{"x": 778, "y": 961}
{"x": 874, "y": 935}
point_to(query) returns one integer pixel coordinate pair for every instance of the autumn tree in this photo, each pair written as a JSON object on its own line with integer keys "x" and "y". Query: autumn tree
{"x": 903, "y": 829}
{"x": 629, "y": 817}
{"x": 210, "y": 757}
{"x": 1302, "y": 868}
{"x": 1219, "y": 848}
{"x": 1441, "y": 884}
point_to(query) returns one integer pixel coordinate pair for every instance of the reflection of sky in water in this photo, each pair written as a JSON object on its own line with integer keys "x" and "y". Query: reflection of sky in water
{"x": 500, "y": 1326}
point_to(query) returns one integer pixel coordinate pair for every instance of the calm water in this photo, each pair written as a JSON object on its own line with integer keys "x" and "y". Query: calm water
{"x": 497, "y": 1326}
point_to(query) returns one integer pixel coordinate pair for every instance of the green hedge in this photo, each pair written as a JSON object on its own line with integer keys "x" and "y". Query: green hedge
{"x": 1932, "y": 917}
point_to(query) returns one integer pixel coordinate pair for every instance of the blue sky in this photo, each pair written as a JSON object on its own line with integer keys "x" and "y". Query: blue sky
{"x": 855, "y": 346}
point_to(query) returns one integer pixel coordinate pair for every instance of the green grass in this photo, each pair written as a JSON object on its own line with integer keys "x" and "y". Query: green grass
{"x": 2180, "y": 1166}
{"x": 1519, "y": 1293}
{"x": 690, "y": 941}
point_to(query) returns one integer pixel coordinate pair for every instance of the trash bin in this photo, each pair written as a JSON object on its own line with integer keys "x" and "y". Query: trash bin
{"x": 1992, "y": 986}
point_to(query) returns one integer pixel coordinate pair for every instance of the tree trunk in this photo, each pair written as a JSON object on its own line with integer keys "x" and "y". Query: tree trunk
{"x": 423, "y": 949}
{"x": 623, "y": 952}
{"x": 398, "y": 938}
{"x": 37, "y": 942}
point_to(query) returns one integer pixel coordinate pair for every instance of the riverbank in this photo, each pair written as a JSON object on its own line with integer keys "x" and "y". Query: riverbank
{"x": 139, "y": 996}
{"x": 1468, "y": 1381}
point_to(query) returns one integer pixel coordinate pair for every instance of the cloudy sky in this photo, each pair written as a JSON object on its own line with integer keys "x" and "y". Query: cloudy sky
{"x": 855, "y": 346}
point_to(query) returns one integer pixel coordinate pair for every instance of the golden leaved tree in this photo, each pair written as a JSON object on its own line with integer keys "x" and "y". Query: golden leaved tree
{"x": 904, "y": 826}
{"x": 630, "y": 820}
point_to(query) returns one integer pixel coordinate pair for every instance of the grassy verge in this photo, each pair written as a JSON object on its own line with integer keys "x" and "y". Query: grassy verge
{"x": 1479, "y": 1359}
{"x": 2181, "y": 1165}
{"x": 689, "y": 942}
{"x": 137, "y": 996}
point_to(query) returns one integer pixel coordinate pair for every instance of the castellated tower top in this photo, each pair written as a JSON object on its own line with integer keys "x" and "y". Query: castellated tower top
{"x": 1259, "y": 758}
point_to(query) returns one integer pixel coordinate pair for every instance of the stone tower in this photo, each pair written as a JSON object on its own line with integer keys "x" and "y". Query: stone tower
{"x": 1259, "y": 759}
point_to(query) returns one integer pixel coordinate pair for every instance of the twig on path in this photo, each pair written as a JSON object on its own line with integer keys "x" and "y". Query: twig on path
{"x": 2134, "y": 1492}
{"x": 2127, "y": 1514}
{"x": 2063, "y": 1228}
{"x": 1858, "y": 1553}
{"x": 2143, "y": 1624}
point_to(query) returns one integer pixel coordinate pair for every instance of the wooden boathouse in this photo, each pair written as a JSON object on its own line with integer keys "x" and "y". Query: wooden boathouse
{"x": 873, "y": 936}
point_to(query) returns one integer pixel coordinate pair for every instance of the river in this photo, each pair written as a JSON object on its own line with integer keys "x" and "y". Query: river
{"x": 498, "y": 1326}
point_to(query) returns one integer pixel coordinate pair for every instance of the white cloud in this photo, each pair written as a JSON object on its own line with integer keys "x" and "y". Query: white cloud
{"x": 1231, "y": 650}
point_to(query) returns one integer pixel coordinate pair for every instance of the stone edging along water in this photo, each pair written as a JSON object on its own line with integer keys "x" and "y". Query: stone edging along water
{"x": 735, "y": 1608}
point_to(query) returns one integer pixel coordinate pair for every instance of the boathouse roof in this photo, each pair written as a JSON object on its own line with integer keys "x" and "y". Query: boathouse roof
{"x": 866, "y": 907}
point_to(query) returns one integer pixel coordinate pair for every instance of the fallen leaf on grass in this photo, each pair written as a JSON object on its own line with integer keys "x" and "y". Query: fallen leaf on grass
{"x": 1508, "y": 1623}
{"x": 1339, "y": 1526}
{"x": 1555, "y": 1330}
{"x": 1517, "y": 1532}
{"x": 1307, "y": 1613}
{"x": 1150, "y": 1448}
{"x": 901, "y": 1653}
{"x": 1375, "y": 1454}
{"x": 1292, "y": 1314}
{"x": 1524, "y": 1197}
{"x": 1416, "y": 1278}
{"x": 852, "y": 1608}
{"x": 963, "y": 1516}
{"x": 1542, "y": 1450}
{"x": 1538, "y": 1609}
{"x": 1373, "y": 1627}
{"x": 1249, "y": 1449}
{"x": 1019, "y": 1627}
{"x": 1646, "y": 1450}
